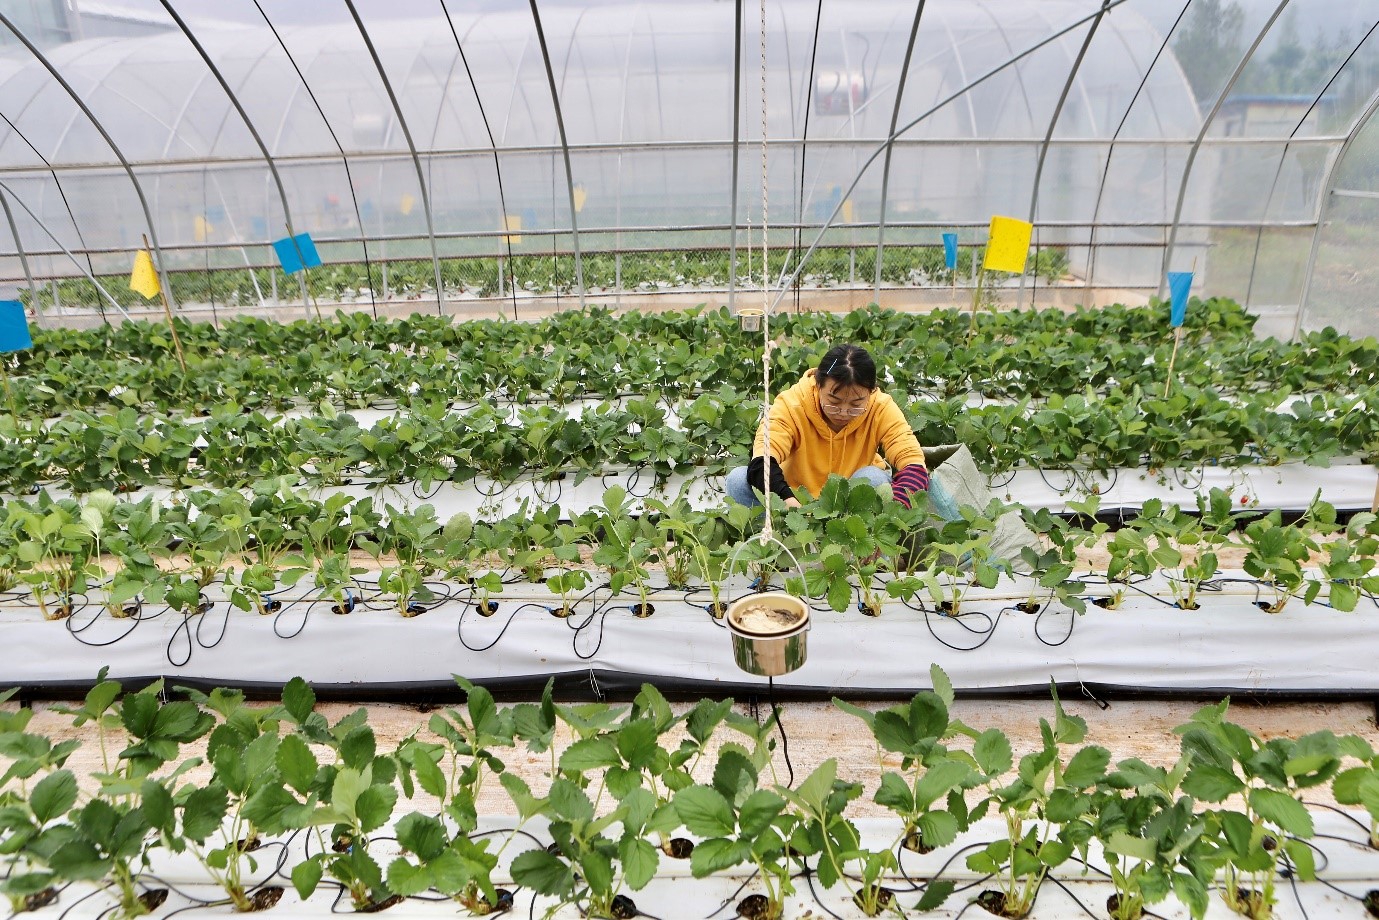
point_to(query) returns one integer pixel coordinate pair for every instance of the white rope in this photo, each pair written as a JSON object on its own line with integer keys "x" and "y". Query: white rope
{"x": 765, "y": 305}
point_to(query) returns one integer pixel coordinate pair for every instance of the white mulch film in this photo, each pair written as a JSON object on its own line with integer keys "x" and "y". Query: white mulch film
{"x": 1347, "y": 869}
{"x": 1228, "y": 645}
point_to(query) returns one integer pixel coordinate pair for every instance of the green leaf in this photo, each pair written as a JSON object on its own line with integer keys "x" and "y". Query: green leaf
{"x": 1123, "y": 844}
{"x": 704, "y": 811}
{"x": 894, "y": 793}
{"x": 757, "y": 812}
{"x": 429, "y": 774}
{"x": 715, "y": 855}
{"x": 636, "y": 742}
{"x": 406, "y": 879}
{"x": 1283, "y": 811}
{"x": 1086, "y": 767}
{"x": 935, "y": 893}
{"x": 543, "y": 873}
{"x": 156, "y": 803}
{"x": 296, "y": 763}
{"x": 53, "y": 796}
{"x": 1192, "y": 893}
{"x": 992, "y": 752}
{"x": 817, "y": 786}
{"x": 569, "y": 801}
{"x": 639, "y": 861}
{"x": 1304, "y": 859}
{"x": 1211, "y": 784}
{"x": 421, "y": 834}
{"x": 305, "y": 877}
{"x": 589, "y": 754}
{"x": 358, "y": 748}
{"x": 204, "y": 812}
{"x": 939, "y": 828}
{"x": 375, "y": 806}
{"x": 942, "y": 686}
{"x": 298, "y": 699}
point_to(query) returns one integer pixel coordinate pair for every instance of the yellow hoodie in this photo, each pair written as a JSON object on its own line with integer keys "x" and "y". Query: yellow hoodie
{"x": 808, "y": 450}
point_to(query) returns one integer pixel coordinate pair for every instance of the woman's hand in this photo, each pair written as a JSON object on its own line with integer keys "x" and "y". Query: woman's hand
{"x": 792, "y": 502}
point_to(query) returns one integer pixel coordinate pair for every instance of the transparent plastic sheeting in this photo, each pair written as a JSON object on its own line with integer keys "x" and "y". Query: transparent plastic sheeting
{"x": 1346, "y": 870}
{"x": 1228, "y": 645}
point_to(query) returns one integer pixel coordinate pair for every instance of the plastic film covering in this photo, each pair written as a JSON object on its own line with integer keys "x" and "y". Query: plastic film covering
{"x": 421, "y": 140}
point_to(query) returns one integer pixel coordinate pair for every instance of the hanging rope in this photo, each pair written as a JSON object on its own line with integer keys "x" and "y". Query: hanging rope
{"x": 765, "y": 298}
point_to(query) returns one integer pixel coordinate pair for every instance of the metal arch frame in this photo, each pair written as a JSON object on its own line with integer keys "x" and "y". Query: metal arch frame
{"x": 23, "y": 257}
{"x": 1278, "y": 171}
{"x": 564, "y": 149}
{"x": 1009, "y": 62}
{"x": 67, "y": 205}
{"x": 886, "y": 167}
{"x": 253, "y": 132}
{"x": 1201, "y": 133}
{"x": 488, "y": 129}
{"x": 622, "y": 127}
{"x": 1111, "y": 145}
{"x": 90, "y": 276}
{"x": 737, "y": 138}
{"x": 345, "y": 160}
{"x": 804, "y": 133}
{"x": 95, "y": 122}
{"x": 416, "y": 160}
{"x": 1328, "y": 189}
{"x": 1048, "y": 137}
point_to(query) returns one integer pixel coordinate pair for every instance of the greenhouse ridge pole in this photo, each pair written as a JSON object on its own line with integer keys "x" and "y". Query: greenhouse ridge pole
{"x": 258, "y": 139}
{"x": 890, "y": 147}
{"x": 737, "y": 137}
{"x": 24, "y": 259}
{"x": 492, "y": 142}
{"x": 90, "y": 276}
{"x": 1048, "y": 138}
{"x": 1009, "y": 62}
{"x": 564, "y": 150}
{"x": 411, "y": 146}
{"x": 100, "y": 128}
{"x": 1278, "y": 170}
{"x": 1202, "y": 133}
{"x": 1329, "y": 189}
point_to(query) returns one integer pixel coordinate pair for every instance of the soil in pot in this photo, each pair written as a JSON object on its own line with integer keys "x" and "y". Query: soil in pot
{"x": 483, "y": 907}
{"x": 994, "y": 902}
{"x": 41, "y": 899}
{"x": 1252, "y": 904}
{"x": 717, "y": 610}
{"x": 413, "y": 610}
{"x": 873, "y": 610}
{"x": 756, "y": 907}
{"x": 272, "y": 605}
{"x": 678, "y": 848}
{"x": 884, "y": 897}
{"x": 248, "y": 845}
{"x": 947, "y": 608}
{"x": 265, "y": 898}
{"x": 1113, "y": 905}
{"x": 382, "y": 905}
{"x": 153, "y": 899}
{"x": 914, "y": 842}
{"x": 1268, "y": 607}
{"x": 1192, "y": 606}
{"x": 342, "y": 609}
{"x": 642, "y": 611}
{"x": 1027, "y": 607}
{"x": 1371, "y": 902}
{"x": 561, "y": 613}
{"x": 764, "y": 620}
{"x": 1106, "y": 603}
{"x": 486, "y": 609}
{"x": 623, "y": 908}
{"x": 342, "y": 843}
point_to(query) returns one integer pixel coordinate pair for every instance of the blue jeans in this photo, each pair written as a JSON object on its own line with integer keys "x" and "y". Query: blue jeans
{"x": 735, "y": 483}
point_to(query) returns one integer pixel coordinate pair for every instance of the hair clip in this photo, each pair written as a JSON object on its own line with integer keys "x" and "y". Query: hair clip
{"x": 831, "y": 367}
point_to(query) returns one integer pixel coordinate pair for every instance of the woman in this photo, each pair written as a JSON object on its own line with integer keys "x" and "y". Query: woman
{"x": 833, "y": 421}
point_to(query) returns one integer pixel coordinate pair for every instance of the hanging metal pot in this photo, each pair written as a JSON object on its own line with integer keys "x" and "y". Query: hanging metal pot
{"x": 769, "y": 632}
{"x": 749, "y": 318}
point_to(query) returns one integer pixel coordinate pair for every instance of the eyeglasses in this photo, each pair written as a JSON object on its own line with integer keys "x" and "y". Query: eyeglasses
{"x": 845, "y": 411}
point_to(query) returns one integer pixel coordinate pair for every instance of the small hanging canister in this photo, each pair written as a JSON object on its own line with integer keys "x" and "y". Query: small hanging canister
{"x": 769, "y": 632}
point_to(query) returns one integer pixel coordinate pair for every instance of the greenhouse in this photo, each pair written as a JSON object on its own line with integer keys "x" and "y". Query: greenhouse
{"x": 689, "y": 458}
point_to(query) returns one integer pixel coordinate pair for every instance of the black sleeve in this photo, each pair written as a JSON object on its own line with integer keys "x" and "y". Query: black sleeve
{"x": 778, "y": 483}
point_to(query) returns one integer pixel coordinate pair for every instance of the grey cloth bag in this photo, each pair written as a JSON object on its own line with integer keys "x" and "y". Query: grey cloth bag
{"x": 954, "y": 481}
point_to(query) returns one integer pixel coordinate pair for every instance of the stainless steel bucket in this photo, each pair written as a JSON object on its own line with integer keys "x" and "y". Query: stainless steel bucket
{"x": 769, "y": 632}
{"x": 750, "y": 319}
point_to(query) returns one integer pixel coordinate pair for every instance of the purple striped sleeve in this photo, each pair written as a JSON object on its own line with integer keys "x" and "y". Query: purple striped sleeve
{"x": 914, "y": 478}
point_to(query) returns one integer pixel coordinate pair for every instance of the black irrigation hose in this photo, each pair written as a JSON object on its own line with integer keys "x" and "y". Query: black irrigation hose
{"x": 959, "y": 618}
{"x": 75, "y": 632}
{"x": 1076, "y": 900}
{"x": 780, "y": 727}
{"x": 1044, "y": 609}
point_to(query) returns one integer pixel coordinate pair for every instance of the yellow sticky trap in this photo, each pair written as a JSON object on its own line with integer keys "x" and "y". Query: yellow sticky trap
{"x": 406, "y": 204}
{"x": 581, "y": 196}
{"x": 201, "y": 229}
{"x": 847, "y": 210}
{"x": 144, "y": 278}
{"x": 512, "y": 222}
{"x": 1008, "y": 245}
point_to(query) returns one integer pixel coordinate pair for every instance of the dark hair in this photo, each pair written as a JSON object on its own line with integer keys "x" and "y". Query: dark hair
{"x": 846, "y": 365}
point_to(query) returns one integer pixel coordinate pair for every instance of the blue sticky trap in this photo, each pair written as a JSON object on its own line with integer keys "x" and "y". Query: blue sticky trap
{"x": 950, "y": 250}
{"x": 14, "y": 327}
{"x": 296, "y": 252}
{"x": 1179, "y": 284}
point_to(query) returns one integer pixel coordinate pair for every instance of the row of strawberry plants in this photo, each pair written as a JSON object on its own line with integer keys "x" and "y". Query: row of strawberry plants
{"x": 858, "y": 546}
{"x": 614, "y": 801}
{"x": 597, "y": 354}
{"x": 706, "y": 435}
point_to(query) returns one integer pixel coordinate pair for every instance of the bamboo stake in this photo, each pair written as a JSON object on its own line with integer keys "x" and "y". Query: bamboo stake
{"x": 1374, "y": 505}
{"x": 976, "y": 299}
{"x": 1177, "y": 340}
{"x": 14, "y": 409}
{"x": 167, "y": 311}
